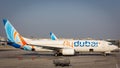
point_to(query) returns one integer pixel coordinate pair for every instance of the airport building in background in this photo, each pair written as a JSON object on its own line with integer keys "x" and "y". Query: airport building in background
{"x": 2, "y": 41}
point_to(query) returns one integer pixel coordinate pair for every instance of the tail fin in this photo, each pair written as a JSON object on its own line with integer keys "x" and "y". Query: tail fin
{"x": 52, "y": 36}
{"x": 12, "y": 35}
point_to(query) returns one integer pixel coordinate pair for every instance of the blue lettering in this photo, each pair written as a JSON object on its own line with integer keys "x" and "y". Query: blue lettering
{"x": 76, "y": 44}
{"x": 81, "y": 44}
{"x": 86, "y": 43}
{"x": 92, "y": 44}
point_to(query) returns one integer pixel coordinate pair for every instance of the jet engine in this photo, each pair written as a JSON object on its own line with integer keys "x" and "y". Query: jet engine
{"x": 67, "y": 51}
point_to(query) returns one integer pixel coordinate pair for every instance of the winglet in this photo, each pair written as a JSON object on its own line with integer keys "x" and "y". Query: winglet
{"x": 4, "y": 21}
{"x": 52, "y": 36}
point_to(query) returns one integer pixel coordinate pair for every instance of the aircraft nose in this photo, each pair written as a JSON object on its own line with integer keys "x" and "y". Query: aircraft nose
{"x": 115, "y": 47}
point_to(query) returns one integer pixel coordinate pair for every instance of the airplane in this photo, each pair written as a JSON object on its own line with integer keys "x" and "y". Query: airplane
{"x": 59, "y": 47}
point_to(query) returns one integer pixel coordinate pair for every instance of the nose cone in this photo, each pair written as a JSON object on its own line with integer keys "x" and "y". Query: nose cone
{"x": 114, "y": 48}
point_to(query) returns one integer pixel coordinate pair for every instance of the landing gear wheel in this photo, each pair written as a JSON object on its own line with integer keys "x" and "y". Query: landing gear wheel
{"x": 58, "y": 54}
{"x": 104, "y": 54}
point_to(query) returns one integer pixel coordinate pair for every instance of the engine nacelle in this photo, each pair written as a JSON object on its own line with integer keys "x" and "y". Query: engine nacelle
{"x": 68, "y": 51}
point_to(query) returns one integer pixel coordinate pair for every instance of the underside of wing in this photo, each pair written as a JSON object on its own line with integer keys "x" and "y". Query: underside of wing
{"x": 51, "y": 47}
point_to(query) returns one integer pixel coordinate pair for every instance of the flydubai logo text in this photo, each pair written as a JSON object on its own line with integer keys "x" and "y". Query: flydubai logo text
{"x": 86, "y": 44}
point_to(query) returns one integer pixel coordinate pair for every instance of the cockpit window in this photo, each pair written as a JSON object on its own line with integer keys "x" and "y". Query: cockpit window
{"x": 110, "y": 43}
{"x": 113, "y": 42}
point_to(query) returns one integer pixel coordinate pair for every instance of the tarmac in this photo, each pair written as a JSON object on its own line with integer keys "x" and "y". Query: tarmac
{"x": 16, "y": 58}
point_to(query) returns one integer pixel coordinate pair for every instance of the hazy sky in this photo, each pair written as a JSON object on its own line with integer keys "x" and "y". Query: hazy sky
{"x": 99, "y": 19}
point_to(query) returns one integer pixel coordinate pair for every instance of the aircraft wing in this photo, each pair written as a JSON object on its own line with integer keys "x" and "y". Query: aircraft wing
{"x": 51, "y": 47}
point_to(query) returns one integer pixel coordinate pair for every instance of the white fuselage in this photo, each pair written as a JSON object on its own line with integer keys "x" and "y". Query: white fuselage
{"x": 77, "y": 45}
